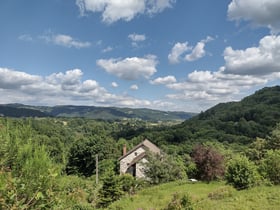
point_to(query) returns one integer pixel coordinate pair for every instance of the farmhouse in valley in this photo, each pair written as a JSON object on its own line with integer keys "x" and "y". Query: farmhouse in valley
{"x": 132, "y": 162}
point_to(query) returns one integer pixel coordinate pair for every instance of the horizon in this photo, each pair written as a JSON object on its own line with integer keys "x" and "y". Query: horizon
{"x": 164, "y": 55}
{"x": 117, "y": 107}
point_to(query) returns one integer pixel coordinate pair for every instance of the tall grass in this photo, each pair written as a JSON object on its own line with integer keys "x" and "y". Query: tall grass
{"x": 214, "y": 196}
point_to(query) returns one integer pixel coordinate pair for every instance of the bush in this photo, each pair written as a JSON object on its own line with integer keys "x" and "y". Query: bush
{"x": 209, "y": 163}
{"x": 164, "y": 168}
{"x": 110, "y": 191}
{"x": 75, "y": 191}
{"x": 180, "y": 203}
{"x": 270, "y": 166}
{"x": 128, "y": 183}
{"x": 241, "y": 173}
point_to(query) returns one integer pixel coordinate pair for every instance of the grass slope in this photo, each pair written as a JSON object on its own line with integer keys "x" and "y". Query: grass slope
{"x": 211, "y": 196}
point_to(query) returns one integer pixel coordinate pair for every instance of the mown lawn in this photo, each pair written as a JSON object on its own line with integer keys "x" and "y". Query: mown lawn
{"x": 214, "y": 196}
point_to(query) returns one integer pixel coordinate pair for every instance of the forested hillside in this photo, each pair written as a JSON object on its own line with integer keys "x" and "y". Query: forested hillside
{"x": 20, "y": 112}
{"x": 233, "y": 122}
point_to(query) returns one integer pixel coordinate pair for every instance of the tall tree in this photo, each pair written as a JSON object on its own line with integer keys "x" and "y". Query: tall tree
{"x": 82, "y": 154}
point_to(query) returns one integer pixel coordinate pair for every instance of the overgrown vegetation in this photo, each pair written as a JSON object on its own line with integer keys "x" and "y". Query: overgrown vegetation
{"x": 50, "y": 163}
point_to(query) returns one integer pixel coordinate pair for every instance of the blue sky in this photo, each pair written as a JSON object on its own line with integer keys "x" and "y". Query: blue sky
{"x": 177, "y": 55}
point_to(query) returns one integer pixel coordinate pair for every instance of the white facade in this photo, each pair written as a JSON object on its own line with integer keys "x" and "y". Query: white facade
{"x": 133, "y": 162}
{"x": 125, "y": 162}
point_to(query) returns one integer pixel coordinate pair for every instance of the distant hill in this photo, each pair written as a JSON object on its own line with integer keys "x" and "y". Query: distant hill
{"x": 11, "y": 111}
{"x": 92, "y": 112}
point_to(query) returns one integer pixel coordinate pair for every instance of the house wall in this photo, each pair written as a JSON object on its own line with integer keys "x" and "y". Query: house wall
{"x": 140, "y": 167}
{"x": 124, "y": 163}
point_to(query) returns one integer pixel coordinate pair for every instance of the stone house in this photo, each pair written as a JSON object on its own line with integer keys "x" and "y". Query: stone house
{"x": 132, "y": 162}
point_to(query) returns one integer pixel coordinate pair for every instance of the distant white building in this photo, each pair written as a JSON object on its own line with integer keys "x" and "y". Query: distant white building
{"x": 132, "y": 162}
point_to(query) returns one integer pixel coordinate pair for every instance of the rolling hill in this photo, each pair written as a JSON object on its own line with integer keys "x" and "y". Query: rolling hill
{"x": 92, "y": 112}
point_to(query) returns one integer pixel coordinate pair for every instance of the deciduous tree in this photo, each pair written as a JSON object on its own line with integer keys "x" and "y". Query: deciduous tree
{"x": 209, "y": 163}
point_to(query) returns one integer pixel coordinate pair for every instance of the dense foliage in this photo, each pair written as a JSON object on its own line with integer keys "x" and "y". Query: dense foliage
{"x": 162, "y": 168}
{"x": 233, "y": 122}
{"x": 51, "y": 162}
{"x": 270, "y": 166}
{"x": 82, "y": 154}
{"x": 241, "y": 173}
{"x": 209, "y": 163}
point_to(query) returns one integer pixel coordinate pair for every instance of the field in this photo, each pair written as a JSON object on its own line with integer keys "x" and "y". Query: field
{"x": 214, "y": 196}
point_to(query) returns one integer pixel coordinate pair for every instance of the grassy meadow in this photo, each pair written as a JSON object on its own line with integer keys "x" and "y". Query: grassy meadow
{"x": 214, "y": 196}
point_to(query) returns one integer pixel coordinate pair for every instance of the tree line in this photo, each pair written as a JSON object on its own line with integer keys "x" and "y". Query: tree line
{"x": 50, "y": 162}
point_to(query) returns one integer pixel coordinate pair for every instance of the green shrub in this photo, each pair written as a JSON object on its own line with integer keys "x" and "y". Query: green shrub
{"x": 241, "y": 173}
{"x": 128, "y": 183}
{"x": 164, "y": 168}
{"x": 111, "y": 190}
{"x": 270, "y": 166}
{"x": 74, "y": 190}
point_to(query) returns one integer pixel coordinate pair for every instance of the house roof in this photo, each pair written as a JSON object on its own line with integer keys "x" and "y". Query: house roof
{"x": 146, "y": 143}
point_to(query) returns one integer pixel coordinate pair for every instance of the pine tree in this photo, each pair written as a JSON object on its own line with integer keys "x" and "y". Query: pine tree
{"x": 111, "y": 190}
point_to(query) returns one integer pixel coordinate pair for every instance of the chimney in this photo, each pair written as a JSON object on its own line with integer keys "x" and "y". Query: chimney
{"x": 124, "y": 149}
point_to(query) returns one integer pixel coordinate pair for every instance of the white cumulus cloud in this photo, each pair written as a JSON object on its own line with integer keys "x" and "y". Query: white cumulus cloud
{"x": 131, "y": 68}
{"x": 114, "y": 10}
{"x": 137, "y": 37}
{"x": 156, "y": 6}
{"x": 114, "y": 84}
{"x": 177, "y": 50}
{"x": 259, "y": 12}
{"x": 180, "y": 49}
{"x": 11, "y": 79}
{"x": 163, "y": 80}
{"x": 198, "y": 51}
{"x": 107, "y": 49}
{"x": 207, "y": 88}
{"x": 210, "y": 86}
{"x": 65, "y": 41}
{"x": 60, "y": 88}
{"x": 261, "y": 60}
{"x": 134, "y": 87}
{"x": 68, "y": 81}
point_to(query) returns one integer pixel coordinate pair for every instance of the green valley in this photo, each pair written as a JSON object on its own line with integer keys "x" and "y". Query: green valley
{"x": 66, "y": 162}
